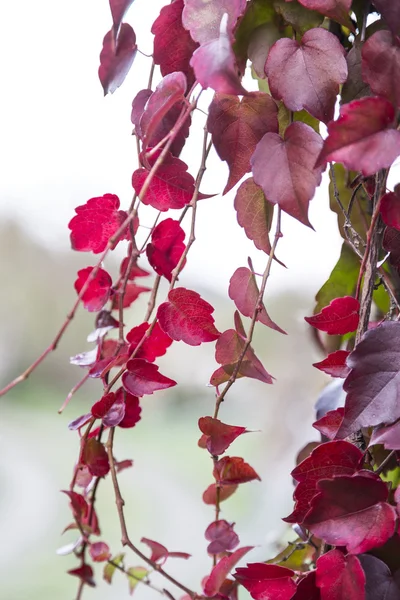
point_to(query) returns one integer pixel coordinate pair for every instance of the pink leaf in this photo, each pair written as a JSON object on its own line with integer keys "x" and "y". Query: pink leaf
{"x": 79, "y": 422}
{"x": 166, "y": 247}
{"x": 231, "y": 470}
{"x": 267, "y": 582}
{"x": 78, "y": 504}
{"x": 95, "y": 223}
{"x": 116, "y": 58}
{"x": 160, "y": 553}
{"x": 221, "y": 536}
{"x": 225, "y": 492}
{"x": 138, "y": 105}
{"x": 334, "y": 364}
{"x": 340, "y": 577}
{"x": 102, "y": 406}
{"x": 142, "y": 378}
{"x": 390, "y": 208}
{"x": 187, "y": 317}
{"x": 363, "y": 137}
{"x": 330, "y": 423}
{"x": 390, "y": 10}
{"x": 203, "y": 19}
{"x": 155, "y": 345}
{"x": 254, "y": 214}
{"x": 388, "y": 436}
{"x": 381, "y": 65}
{"x": 222, "y": 569}
{"x": 219, "y": 435}
{"x": 237, "y": 126}
{"x": 285, "y": 168}
{"x": 340, "y": 317}
{"x": 95, "y": 457}
{"x": 118, "y": 10}
{"x": 99, "y": 551}
{"x": 318, "y": 61}
{"x": 338, "y": 10}
{"x": 116, "y": 413}
{"x": 98, "y": 291}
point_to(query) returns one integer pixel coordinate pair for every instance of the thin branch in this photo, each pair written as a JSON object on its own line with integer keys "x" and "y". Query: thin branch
{"x": 73, "y": 391}
{"x": 145, "y": 581}
{"x": 384, "y": 463}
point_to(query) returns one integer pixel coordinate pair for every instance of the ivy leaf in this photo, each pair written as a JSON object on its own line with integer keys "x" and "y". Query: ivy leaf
{"x": 334, "y": 364}
{"x": 166, "y": 247}
{"x": 222, "y": 569}
{"x": 380, "y": 583}
{"x": 116, "y": 58}
{"x": 381, "y": 65}
{"x": 307, "y": 588}
{"x": 116, "y": 413}
{"x": 142, "y": 378}
{"x": 225, "y": 492}
{"x": 388, "y": 436}
{"x": 99, "y": 551}
{"x": 318, "y": 61}
{"x": 95, "y": 457}
{"x": 237, "y": 126}
{"x": 132, "y": 293}
{"x": 266, "y": 582}
{"x": 340, "y": 317}
{"x": 78, "y": 504}
{"x": 203, "y": 19}
{"x": 132, "y": 411}
{"x": 119, "y": 8}
{"x": 138, "y": 105}
{"x": 343, "y": 279}
{"x": 390, "y": 10}
{"x": 254, "y": 214}
{"x": 351, "y": 511}
{"x": 222, "y": 537}
{"x": 187, "y": 317}
{"x": 260, "y": 43}
{"x": 109, "y": 568}
{"x": 284, "y": 168}
{"x": 219, "y": 435}
{"x": 390, "y": 208}
{"x": 363, "y": 137}
{"x": 337, "y": 10}
{"x": 339, "y": 576}
{"x": 135, "y": 575}
{"x": 159, "y": 553}
{"x": 355, "y": 87}
{"x": 85, "y": 574}
{"x": 298, "y": 16}
{"x": 173, "y": 44}
{"x": 154, "y": 345}
{"x": 102, "y": 406}
{"x": 95, "y": 223}
{"x": 374, "y": 381}
{"x": 329, "y": 424}
{"x": 231, "y": 470}
{"x": 98, "y": 290}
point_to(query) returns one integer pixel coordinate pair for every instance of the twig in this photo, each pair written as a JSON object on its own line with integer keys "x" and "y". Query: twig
{"x": 144, "y": 581}
{"x": 385, "y": 463}
{"x": 73, "y": 391}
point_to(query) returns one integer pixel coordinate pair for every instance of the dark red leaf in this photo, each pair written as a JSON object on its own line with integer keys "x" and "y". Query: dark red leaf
{"x": 132, "y": 293}
{"x": 307, "y": 588}
{"x": 237, "y": 126}
{"x": 318, "y": 61}
{"x": 221, "y": 536}
{"x": 225, "y": 492}
{"x": 374, "y": 381}
{"x": 380, "y": 583}
{"x": 173, "y": 44}
{"x": 135, "y": 270}
{"x": 85, "y": 574}
{"x": 155, "y": 345}
{"x": 222, "y": 569}
{"x": 166, "y": 247}
{"x": 340, "y": 317}
{"x": 254, "y": 214}
{"x": 338, "y": 10}
{"x": 78, "y": 504}
{"x": 118, "y": 10}
{"x": 116, "y": 58}
{"x": 351, "y": 511}
{"x": 187, "y": 317}
{"x": 391, "y": 243}
{"x": 334, "y": 364}
{"x": 388, "y": 436}
{"x": 95, "y": 223}
{"x": 132, "y": 409}
{"x": 116, "y": 413}
{"x": 390, "y": 208}
{"x": 143, "y": 378}
{"x": 95, "y": 457}
{"x": 233, "y": 470}
{"x": 243, "y": 290}
{"x": 327, "y": 460}
{"x": 219, "y": 435}
{"x": 102, "y": 406}
{"x": 98, "y": 290}
{"x": 340, "y": 577}
{"x": 285, "y": 168}
{"x": 138, "y": 104}
{"x": 390, "y": 10}
{"x": 203, "y": 19}
{"x": 267, "y": 582}
{"x": 99, "y": 551}
{"x": 160, "y": 553}
{"x": 363, "y": 137}
{"x": 381, "y": 65}
{"x": 329, "y": 424}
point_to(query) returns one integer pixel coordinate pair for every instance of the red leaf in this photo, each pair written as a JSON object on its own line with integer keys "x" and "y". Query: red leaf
{"x": 237, "y": 126}
{"x": 132, "y": 410}
{"x": 340, "y": 317}
{"x": 78, "y": 504}
{"x": 232, "y": 469}
{"x": 221, "y": 536}
{"x": 334, "y": 364}
{"x": 390, "y": 208}
{"x": 102, "y": 406}
{"x": 99, "y": 551}
{"x": 363, "y": 137}
{"x": 244, "y": 292}
{"x": 307, "y": 588}
{"x": 160, "y": 553}
{"x": 390, "y": 10}
{"x": 267, "y": 582}
{"x": 225, "y": 492}
{"x": 138, "y": 105}
{"x": 171, "y": 187}
{"x": 85, "y": 574}
{"x": 116, "y": 58}
{"x": 285, "y": 168}
{"x": 203, "y": 19}
{"x": 166, "y": 247}
{"x": 388, "y": 436}
{"x": 214, "y": 64}
{"x": 329, "y": 424}
{"x": 123, "y": 464}
{"x": 98, "y": 291}
{"x": 327, "y": 460}
{"x": 351, "y": 511}
{"x": 116, "y": 413}
{"x": 219, "y": 435}
{"x": 374, "y": 381}
{"x": 132, "y": 293}
{"x": 381, "y": 65}
{"x": 118, "y": 10}
{"x": 318, "y": 61}
{"x": 168, "y": 92}
{"x": 187, "y": 317}
{"x": 154, "y": 345}
{"x": 340, "y": 577}
{"x": 143, "y": 378}
{"x": 95, "y": 457}
{"x": 135, "y": 271}
{"x": 173, "y": 44}
{"x": 95, "y": 223}
{"x": 254, "y": 214}
{"x": 337, "y": 9}
{"x": 222, "y": 569}
{"x": 380, "y": 583}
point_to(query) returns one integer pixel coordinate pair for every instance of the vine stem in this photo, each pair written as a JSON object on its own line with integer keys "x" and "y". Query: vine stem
{"x": 144, "y": 581}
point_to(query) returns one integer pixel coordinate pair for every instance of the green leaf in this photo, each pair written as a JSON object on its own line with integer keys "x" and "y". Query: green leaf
{"x": 284, "y": 118}
{"x": 342, "y": 281}
{"x": 298, "y": 556}
{"x": 135, "y": 576}
{"x": 109, "y": 568}
{"x": 258, "y": 13}
{"x": 298, "y": 16}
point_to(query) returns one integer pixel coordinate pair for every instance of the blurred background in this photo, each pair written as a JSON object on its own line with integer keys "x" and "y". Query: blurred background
{"x": 61, "y": 144}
